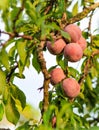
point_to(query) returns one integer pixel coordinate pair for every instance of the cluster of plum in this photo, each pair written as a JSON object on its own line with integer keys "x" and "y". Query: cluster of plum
{"x": 73, "y": 51}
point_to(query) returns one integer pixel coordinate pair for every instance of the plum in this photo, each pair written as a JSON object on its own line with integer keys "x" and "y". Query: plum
{"x": 73, "y": 52}
{"x": 56, "y": 47}
{"x": 74, "y": 32}
{"x": 57, "y": 75}
{"x": 82, "y": 42}
{"x": 71, "y": 87}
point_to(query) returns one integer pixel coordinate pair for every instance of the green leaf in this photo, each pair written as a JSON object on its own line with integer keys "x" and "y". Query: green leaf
{"x": 75, "y": 9}
{"x": 47, "y": 28}
{"x": 21, "y": 69}
{"x": 35, "y": 62}
{"x": 6, "y": 94}
{"x": 22, "y": 76}
{"x": 1, "y": 111}
{"x": 2, "y": 81}
{"x": 12, "y": 51}
{"x": 13, "y": 3}
{"x": 11, "y": 111}
{"x": 31, "y": 11}
{"x": 4, "y": 59}
{"x": 66, "y": 36}
{"x": 89, "y": 82}
{"x": 4, "y": 4}
{"x": 53, "y": 25}
{"x": 21, "y": 48}
{"x": 6, "y": 20}
{"x": 14, "y": 12}
{"x": 61, "y": 7}
{"x": 61, "y": 61}
{"x": 25, "y": 126}
{"x": 18, "y": 94}
{"x": 73, "y": 72}
{"x": 51, "y": 68}
{"x": 42, "y": 19}
{"x": 95, "y": 40}
{"x": 69, "y": 14}
{"x": 94, "y": 72}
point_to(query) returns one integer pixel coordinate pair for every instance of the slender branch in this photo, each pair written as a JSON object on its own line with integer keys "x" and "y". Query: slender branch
{"x": 8, "y": 33}
{"x": 83, "y": 14}
{"x": 10, "y": 73}
{"x": 86, "y": 71}
{"x": 95, "y": 53}
{"x": 12, "y": 35}
{"x": 88, "y": 65}
{"x": 25, "y": 37}
{"x": 45, "y": 74}
{"x": 89, "y": 27}
{"x": 49, "y": 7}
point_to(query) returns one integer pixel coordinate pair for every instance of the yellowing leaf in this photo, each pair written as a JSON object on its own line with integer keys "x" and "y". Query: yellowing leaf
{"x": 11, "y": 112}
{"x": 89, "y": 82}
{"x": 4, "y": 4}
{"x": 2, "y": 81}
{"x": 18, "y": 95}
{"x": 1, "y": 111}
{"x": 4, "y": 59}
{"x": 30, "y": 113}
{"x": 75, "y": 9}
{"x": 21, "y": 48}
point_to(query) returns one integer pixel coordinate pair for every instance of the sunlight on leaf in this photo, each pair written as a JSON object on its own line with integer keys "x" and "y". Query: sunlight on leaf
{"x": 1, "y": 111}
{"x": 75, "y": 9}
{"x": 2, "y": 81}
{"x": 11, "y": 112}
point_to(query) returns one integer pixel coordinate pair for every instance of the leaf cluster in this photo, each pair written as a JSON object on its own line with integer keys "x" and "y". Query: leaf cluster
{"x": 29, "y": 23}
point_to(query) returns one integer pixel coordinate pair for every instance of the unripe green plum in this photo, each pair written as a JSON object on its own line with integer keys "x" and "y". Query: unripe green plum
{"x": 82, "y": 42}
{"x": 74, "y": 32}
{"x": 71, "y": 87}
{"x": 73, "y": 52}
{"x": 57, "y": 75}
{"x": 56, "y": 47}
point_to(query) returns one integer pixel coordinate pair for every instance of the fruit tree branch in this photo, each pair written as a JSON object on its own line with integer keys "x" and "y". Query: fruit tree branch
{"x": 45, "y": 74}
{"x": 88, "y": 65}
{"x": 83, "y": 14}
{"x": 9, "y": 75}
{"x": 12, "y": 35}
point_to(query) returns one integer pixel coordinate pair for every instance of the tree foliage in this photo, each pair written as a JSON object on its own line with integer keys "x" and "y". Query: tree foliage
{"x": 29, "y": 24}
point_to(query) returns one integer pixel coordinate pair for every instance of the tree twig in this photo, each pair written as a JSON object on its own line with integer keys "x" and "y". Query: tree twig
{"x": 10, "y": 73}
{"x": 89, "y": 27}
{"x": 12, "y": 35}
{"x": 83, "y": 14}
{"x": 88, "y": 65}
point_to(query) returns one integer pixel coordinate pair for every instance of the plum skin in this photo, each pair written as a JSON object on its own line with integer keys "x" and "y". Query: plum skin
{"x": 73, "y": 52}
{"x": 56, "y": 47}
{"x": 57, "y": 75}
{"x": 82, "y": 42}
{"x": 74, "y": 31}
{"x": 71, "y": 87}
{"x": 53, "y": 121}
